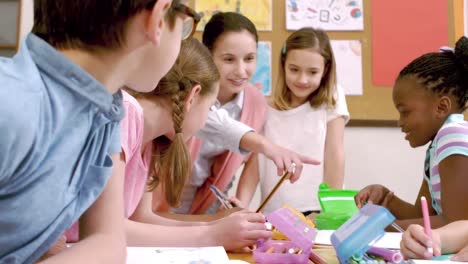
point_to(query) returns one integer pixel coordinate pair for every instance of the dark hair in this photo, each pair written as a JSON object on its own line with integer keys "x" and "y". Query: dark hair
{"x": 444, "y": 72}
{"x": 171, "y": 163}
{"x": 223, "y": 22}
{"x": 317, "y": 40}
{"x": 93, "y": 25}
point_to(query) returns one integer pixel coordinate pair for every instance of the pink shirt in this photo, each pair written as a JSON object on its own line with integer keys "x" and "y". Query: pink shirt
{"x": 136, "y": 169}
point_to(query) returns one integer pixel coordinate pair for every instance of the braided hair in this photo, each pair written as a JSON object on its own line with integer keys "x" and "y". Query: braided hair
{"x": 171, "y": 163}
{"x": 443, "y": 72}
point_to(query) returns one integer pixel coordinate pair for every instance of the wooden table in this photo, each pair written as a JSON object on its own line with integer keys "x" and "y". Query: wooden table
{"x": 326, "y": 252}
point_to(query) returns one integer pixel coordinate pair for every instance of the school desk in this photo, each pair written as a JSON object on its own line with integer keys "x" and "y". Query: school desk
{"x": 326, "y": 252}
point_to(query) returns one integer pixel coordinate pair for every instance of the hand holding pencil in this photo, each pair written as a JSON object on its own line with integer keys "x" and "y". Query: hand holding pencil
{"x": 414, "y": 243}
{"x": 286, "y": 174}
{"x": 419, "y": 241}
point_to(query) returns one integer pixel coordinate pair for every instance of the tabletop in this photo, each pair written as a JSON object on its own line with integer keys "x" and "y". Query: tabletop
{"x": 326, "y": 252}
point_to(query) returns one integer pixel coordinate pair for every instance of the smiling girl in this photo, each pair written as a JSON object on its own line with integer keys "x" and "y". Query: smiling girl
{"x": 307, "y": 112}
{"x": 431, "y": 94}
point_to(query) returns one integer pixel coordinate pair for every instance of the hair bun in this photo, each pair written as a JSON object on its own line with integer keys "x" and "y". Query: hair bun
{"x": 461, "y": 52}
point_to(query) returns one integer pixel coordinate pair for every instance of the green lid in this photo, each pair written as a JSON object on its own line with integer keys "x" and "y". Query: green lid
{"x": 331, "y": 220}
{"x": 337, "y": 207}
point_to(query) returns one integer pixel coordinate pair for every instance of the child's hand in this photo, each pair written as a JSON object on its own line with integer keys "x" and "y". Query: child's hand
{"x": 373, "y": 194}
{"x": 240, "y": 229}
{"x": 414, "y": 243}
{"x": 462, "y": 255}
{"x": 283, "y": 158}
{"x": 223, "y": 212}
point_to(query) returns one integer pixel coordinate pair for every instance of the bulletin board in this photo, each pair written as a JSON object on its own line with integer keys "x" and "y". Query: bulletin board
{"x": 375, "y": 106}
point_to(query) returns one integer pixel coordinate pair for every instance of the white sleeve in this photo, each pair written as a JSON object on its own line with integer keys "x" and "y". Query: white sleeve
{"x": 341, "y": 108}
{"x": 222, "y": 130}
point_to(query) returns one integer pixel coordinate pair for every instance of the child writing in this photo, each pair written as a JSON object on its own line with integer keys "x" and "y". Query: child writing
{"x": 60, "y": 118}
{"x": 307, "y": 112}
{"x": 452, "y": 238}
{"x": 154, "y": 131}
{"x": 239, "y": 100}
{"x": 431, "y": 94}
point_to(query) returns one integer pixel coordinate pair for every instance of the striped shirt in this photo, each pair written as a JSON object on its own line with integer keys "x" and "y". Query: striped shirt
{"x": 451, "y": 139}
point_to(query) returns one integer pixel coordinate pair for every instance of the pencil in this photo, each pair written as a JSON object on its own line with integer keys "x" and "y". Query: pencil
{"x": 427, "y": 221}
{"x": 281, "y": 180}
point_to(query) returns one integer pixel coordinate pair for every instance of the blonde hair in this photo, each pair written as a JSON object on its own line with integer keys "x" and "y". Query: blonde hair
{"x": 307, "y": 38}
{"x": 171, "y": 163}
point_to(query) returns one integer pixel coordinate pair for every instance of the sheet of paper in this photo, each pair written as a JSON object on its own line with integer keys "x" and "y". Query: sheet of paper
{"x": 348, "y": 65}
{"x": 434, "y": 261}
{"x": 168, "y": 255}
{"x": 390, "y": 240}
{"x": 326, "y": 14}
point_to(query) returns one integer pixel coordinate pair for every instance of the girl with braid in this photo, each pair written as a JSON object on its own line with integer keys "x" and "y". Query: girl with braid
{"x": 154, "y": 134}
{"x": 431, "y": 94}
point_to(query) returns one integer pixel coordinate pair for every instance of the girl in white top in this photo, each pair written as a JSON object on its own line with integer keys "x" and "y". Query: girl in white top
{"x": 307, "y": 112}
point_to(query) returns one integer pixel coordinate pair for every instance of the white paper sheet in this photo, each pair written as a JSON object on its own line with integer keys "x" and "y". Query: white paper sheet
{"x": 390, "y": 240}
{"x": 348, "y": 56}
{"x": 168, "y": 255}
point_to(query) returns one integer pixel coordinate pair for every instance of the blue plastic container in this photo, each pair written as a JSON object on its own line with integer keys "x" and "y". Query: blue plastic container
{"x": 358, "y": 234}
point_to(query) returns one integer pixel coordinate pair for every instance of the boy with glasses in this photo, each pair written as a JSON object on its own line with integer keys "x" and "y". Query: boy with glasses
{"x": 60, "y": 112}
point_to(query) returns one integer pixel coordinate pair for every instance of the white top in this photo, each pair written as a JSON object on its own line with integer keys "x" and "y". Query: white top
{"x": 302, "y": 129}
{"x": 222, "y": 132}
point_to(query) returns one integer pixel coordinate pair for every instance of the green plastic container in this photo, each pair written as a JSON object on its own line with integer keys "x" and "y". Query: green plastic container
{"x": 337, "y": 207}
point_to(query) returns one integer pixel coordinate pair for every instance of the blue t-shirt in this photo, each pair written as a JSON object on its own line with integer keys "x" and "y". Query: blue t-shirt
{"x": 58, "y": 128}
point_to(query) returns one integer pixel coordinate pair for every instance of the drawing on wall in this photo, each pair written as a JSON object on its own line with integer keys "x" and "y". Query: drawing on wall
{"x": 325, "y": 14}
{"x": 262, "y": 76}
{"x": 259, "y": 11}
{"x": 348, "y": 58}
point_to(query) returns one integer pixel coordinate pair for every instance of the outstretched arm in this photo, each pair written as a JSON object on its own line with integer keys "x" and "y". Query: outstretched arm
{"x": 235, "y": 136}
{"x": 236, "y": 230}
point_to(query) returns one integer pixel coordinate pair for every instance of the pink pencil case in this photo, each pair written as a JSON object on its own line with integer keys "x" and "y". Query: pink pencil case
{"x": 295, "y": 251}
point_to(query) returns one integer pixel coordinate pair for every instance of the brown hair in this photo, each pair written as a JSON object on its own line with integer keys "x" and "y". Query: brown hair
{"x": 223, "y": 22}
{"x": 93, "y": 25}
{"x": 307, "y": 38}
{"x": 171, "y": 164}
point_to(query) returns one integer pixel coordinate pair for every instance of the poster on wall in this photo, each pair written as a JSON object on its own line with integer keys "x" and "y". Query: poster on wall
{"x": 259, "y": 11}
{"x": 415, "y": 35}
{"x": 342, "y": 15}
{"x": 348, "y": 58}
{"x": 262, "y": 76}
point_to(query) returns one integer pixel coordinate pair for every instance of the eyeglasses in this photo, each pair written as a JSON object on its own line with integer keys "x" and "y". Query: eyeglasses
{"x": 191, "y": 22}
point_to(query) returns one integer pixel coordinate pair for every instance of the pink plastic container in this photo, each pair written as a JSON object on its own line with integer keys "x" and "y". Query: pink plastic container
{"x": 301, "y": 236}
